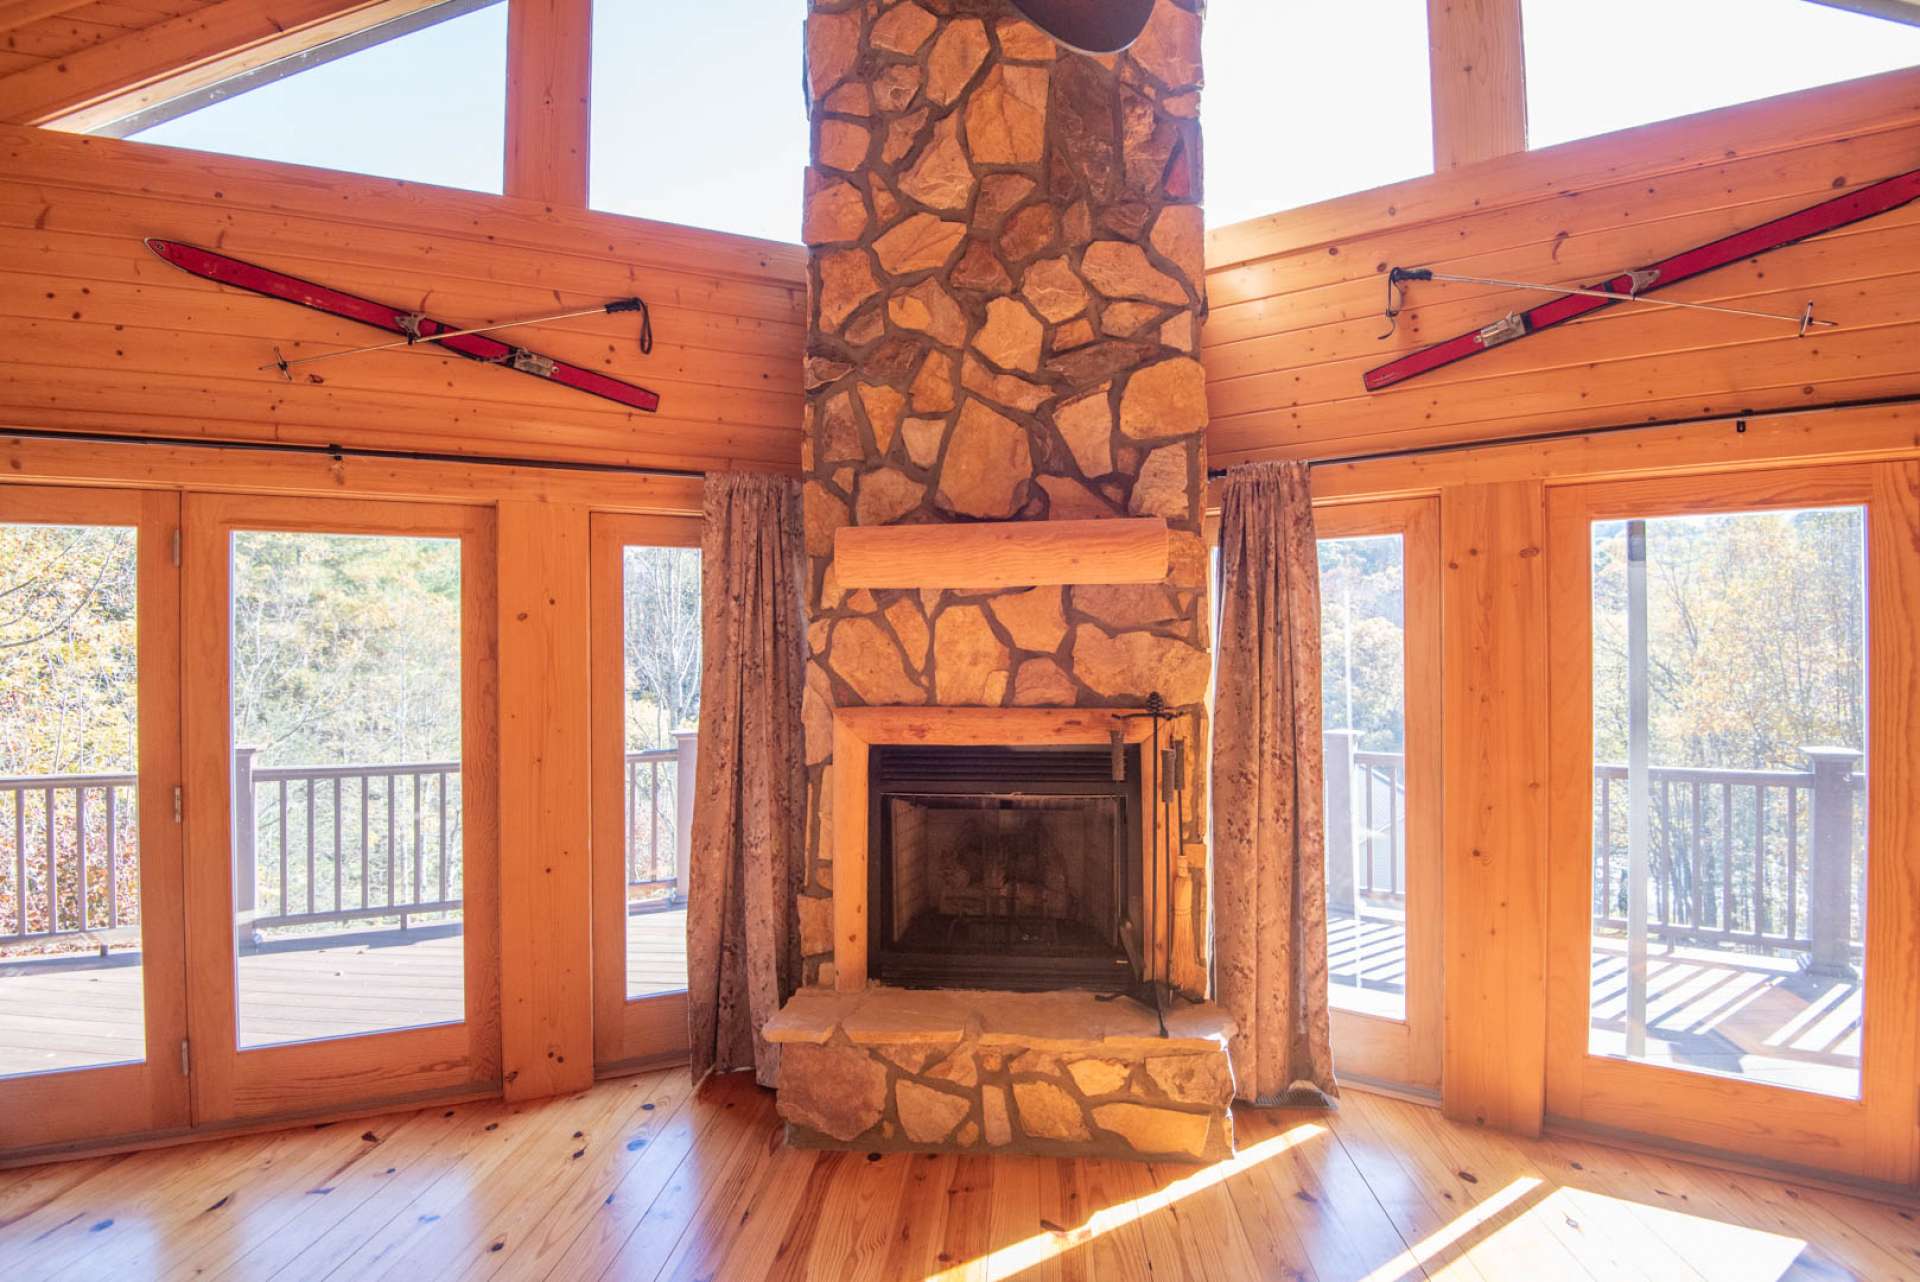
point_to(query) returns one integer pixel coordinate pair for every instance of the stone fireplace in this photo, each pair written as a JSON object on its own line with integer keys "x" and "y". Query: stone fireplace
{"x": 1006, "y": 289}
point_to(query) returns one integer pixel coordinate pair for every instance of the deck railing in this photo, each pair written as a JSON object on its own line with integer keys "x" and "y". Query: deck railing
{"x": 69, "y": 842}
{"x": 659, "y": 807}
{"x": 313, "y": 845}
{"x": 1770, "y": 859}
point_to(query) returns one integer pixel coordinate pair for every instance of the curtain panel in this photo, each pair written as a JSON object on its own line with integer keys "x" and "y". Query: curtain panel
{"x": 1270, "y": 896}
{"x": 748, "y": 847}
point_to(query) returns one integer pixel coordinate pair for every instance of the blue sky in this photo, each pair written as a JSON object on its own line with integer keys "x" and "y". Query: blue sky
{"x": 699, "y": 117}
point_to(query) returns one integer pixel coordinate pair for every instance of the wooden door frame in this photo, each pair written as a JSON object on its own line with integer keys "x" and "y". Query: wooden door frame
{"x": 627, "y": 1032}
{"x": 1873, "y": 1137}
{"x": 291, "y": 1079}
{"x": 1407, "y": 1052}
{"x": 52, "y": 1109}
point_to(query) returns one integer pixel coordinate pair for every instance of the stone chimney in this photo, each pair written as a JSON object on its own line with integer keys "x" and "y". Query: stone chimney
{"x": 1006, "y": 277}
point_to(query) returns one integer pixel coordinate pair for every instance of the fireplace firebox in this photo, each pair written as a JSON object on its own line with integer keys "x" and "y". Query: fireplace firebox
{"x": 1014, "y": 868}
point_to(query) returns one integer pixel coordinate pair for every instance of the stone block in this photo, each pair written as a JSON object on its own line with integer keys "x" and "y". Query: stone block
{"x": 1193, "y": 1079}
{"x": 1098, "y": 1076}
{"x": 837, "y": 1090}
{"x": 927, "y": 1115}
{"x": 1034, "y": 618}
{"x": 1153, "y": 1131}
{"x": 1048, "y": 1112}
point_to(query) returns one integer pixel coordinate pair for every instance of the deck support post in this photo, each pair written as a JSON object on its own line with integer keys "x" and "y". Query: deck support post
{"x": 245, "y": 833}
{"x": 1639, "y": 789}
{"x": 686, "y": 746}
{"x": 1830, "y": 860}
{"x": 1343, "y": 874}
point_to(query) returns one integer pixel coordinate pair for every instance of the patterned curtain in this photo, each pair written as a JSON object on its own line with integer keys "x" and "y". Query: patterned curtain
{"x": 748, "y": 814}
{"x": 1270, "y": 894}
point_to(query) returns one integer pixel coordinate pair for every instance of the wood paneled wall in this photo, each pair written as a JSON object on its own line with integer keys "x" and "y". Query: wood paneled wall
{"x": 1297, "y": 297}
{"x": 96, "y": 334}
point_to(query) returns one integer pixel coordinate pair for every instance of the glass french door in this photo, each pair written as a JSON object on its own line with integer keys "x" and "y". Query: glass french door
{"x": 1380, "y": 646}
{"x": 340, "y": 804}
{"x": 645, "y": 727}
{"x": 1732, "y": 944}
{"x": 92, "y": 971}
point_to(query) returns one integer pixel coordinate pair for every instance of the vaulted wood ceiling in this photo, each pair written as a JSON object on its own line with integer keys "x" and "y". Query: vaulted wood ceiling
{"x": 83, "y": 63}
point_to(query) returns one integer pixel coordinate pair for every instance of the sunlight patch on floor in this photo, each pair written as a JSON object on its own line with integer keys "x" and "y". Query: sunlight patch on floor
{"x": 1009, "y": 1260}
{"x": 1529, "y": 1206}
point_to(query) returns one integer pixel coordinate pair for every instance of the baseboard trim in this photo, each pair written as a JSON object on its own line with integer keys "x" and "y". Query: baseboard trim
{"x": 469, "y": 1094}
{"x": 1902, "y": 1196}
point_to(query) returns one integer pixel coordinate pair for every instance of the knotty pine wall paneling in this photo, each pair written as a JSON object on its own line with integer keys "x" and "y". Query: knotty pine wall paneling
{"x": 1297, "y": 297}
{"x": 98, "y": 335}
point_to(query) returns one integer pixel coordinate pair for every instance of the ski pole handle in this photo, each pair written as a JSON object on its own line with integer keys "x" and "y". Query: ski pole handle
{"x": 646, "y": 319}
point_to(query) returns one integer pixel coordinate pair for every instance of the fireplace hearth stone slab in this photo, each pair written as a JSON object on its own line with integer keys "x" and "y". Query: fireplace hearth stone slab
{"x": 1050, "y": 1074}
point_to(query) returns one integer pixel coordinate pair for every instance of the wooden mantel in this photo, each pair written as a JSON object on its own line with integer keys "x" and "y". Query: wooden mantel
{"x": 1001, "y": 554}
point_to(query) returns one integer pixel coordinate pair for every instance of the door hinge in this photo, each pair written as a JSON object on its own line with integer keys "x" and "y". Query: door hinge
{"x": 177, "y": 799}
{"x": 176, "y": 545}
{"x": 186, "y": 1059}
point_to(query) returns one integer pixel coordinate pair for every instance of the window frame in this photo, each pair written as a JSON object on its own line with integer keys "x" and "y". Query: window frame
{"x": 1406, "y": 1052}
{"x": 629, "y": 1033}
{"x": 1871, "y": 1137}
{"x": 289, "y": 1079}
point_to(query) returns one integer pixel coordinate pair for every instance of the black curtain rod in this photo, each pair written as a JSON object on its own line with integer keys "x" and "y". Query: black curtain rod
{"x": 344, "y": 452}
{"x": 1738, "y": 419}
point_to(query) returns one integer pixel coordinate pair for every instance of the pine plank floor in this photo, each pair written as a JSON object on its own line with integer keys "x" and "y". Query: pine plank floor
{"x": 643, "y": 1178}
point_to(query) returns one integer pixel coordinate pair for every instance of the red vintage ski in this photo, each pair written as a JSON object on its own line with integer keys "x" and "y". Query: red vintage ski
{"x": 408, "y": 325}
{"x": 1861, "y": 203}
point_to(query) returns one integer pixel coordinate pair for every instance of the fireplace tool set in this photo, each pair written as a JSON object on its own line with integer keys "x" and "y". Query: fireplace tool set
{"x": 1170, "y": 779}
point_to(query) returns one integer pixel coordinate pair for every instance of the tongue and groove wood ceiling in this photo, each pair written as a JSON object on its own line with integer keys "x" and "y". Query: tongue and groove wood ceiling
{"x": 81, "y": 65}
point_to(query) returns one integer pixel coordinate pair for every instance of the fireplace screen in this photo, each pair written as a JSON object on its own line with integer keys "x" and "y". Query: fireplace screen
{"x": 1015, "y": 868}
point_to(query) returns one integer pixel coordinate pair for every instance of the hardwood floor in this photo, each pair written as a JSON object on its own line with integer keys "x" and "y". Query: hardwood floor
{"x": 641, "y": 1178}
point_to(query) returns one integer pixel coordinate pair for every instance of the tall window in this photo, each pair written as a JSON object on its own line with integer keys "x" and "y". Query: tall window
{"x": 71, "y": 981}
{"x": 1595, "y": 68}
{"x": 428, "y": 106}
{"x": 1729, "y": 792}
{"x": 1363, "y": 718}
{"x": 698, "y": 114}
{"x": 1274, "y": 72}
{"x": 661, "y": 623}
{"x": 347, "y": 811}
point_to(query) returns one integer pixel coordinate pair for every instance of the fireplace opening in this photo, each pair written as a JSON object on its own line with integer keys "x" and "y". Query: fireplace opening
{"x": 1005, "y": 867}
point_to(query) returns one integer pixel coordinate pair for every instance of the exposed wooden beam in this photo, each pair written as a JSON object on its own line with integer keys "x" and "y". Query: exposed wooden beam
{"x": 549, "y": 88}
{"x": 15, "y": 14}
{"x": 1479, "y": 80}
{"x": 1493, "y": 804}
{"x": 546, "y": 957}
{"x": 104, "y": 82}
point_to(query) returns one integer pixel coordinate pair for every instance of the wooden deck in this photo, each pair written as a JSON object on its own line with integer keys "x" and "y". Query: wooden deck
{"x": 1760, "y": 1018}
{"x": 71, "y": 1016}
{"x": 642, "y": 1178}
